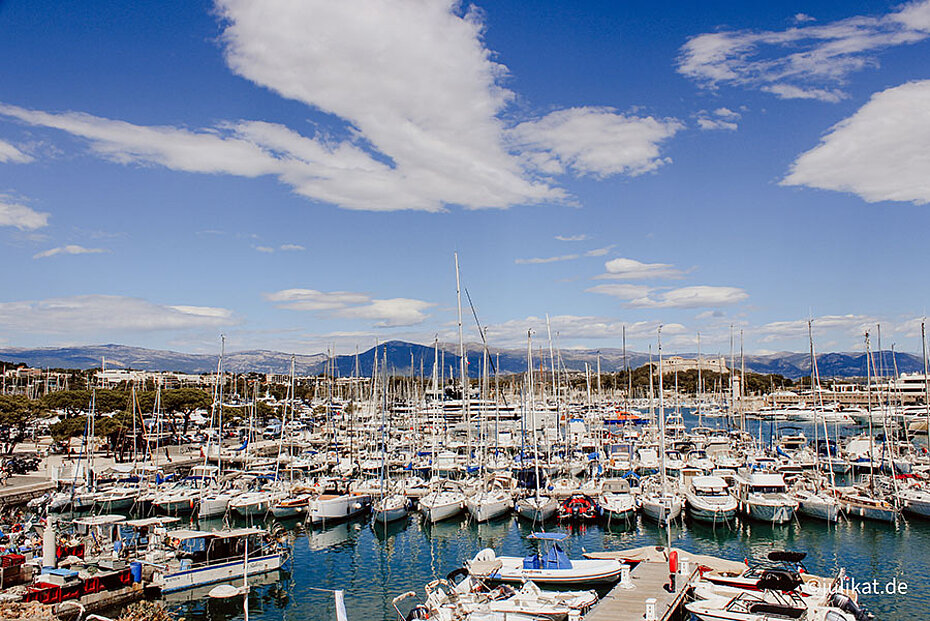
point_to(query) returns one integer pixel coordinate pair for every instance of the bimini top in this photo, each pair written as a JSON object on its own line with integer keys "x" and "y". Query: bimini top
{"x": 548, "y": 536}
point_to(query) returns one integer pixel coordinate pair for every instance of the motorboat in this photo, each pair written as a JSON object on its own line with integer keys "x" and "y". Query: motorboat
{"x": 815, "y": 501}
{"x": 253, "y": 504}
{"x": 549, "y": 567}
{"x": 708, "y": 500}
{"x": 662, "y": 504}
{"x": 463, "y": 596}
{"x": 915, "y": 501}
{"x": 117, "y": 498}
{"x": 764, "y": 496}
{"x": 292, "y": 506}
{"x": 193, "y": 558}
{"x": 616, "y": 500}
{"x": 332, "y": 507}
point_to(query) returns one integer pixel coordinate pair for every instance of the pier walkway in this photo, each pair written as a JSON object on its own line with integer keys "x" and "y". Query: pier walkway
{"x": 648, "y": 580}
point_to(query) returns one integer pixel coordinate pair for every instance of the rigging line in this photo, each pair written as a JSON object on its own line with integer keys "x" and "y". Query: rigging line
{"x": 483, "y": 339}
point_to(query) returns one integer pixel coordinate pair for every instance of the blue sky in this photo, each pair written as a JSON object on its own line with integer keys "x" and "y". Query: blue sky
{"x": 297, "y": 175}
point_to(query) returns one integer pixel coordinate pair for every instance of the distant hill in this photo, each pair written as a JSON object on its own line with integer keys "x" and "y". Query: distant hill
{"x": 400, "y": 356}
{"x": 123, "y": 356}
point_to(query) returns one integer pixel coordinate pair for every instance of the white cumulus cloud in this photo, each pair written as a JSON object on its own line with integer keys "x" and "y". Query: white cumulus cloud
{"x": 698, "y": 296}
{"x": 880, "y": 153}
{"x": 594, "y": 141}
{"x": 631, "y": 269}
{"x": 420, "y": 116}
{"x": 387, "y": 313}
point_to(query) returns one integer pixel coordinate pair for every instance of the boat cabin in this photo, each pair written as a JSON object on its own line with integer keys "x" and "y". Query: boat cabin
{"x": 764, "y": 483}
{"x": 709, "y": 486}
{"x": 198, "y": 547}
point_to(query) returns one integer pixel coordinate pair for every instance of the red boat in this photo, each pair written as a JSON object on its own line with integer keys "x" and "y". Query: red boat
{"x": 578, "y": 507}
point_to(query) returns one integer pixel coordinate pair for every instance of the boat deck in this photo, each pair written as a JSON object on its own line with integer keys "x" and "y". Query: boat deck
{"x": 649, "y": 579}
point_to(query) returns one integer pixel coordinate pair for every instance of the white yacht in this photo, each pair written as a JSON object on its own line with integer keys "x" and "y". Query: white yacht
{"x": 764, "y": 496}
{"x": 616, "y": 500}
{"x": 709, "y": 501}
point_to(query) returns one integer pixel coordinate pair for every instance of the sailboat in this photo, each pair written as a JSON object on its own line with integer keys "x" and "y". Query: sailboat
{"x": 537, "y": 507}
{"x": 446, "y": 500}
{"x": 656, "y": 500}
{"x": 814, "y": 498}
{"x": 868, "y": 502}
{"x": 389, "y": 507}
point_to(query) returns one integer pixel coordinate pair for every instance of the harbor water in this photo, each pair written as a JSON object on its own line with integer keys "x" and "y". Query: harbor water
{"x": 887, "y": 563}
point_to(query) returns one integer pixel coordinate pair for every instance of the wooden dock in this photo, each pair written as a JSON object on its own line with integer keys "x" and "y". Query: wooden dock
{"x": 648, "y": 580}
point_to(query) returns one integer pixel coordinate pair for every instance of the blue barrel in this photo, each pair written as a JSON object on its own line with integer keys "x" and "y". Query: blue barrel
{"x": 135, "y": 569}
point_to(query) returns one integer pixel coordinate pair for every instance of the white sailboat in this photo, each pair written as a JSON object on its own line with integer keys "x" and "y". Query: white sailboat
{"x": 389, "y": 507}
{"x": 537, "y": 507}
{"x": 659, "y": 500}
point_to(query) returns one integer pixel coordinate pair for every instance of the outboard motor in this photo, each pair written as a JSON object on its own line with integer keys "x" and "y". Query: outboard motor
{"x": 846, "y": 604}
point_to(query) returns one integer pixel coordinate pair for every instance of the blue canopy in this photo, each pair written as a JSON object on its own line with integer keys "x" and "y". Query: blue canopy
{"x": 554, "y": 558}
{"x": 549, "y": 536}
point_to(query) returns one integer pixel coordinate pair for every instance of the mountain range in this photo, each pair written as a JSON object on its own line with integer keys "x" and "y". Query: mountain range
{"x": 402, "y": 357}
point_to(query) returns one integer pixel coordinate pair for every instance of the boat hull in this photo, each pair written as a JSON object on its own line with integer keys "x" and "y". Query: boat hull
{"x": 544, "y": 510}
{"x": 220, "y": 572}
{"x": 437, "y": 510}
{"x": 343, "y": 507}
{"x": 581, "y": 572}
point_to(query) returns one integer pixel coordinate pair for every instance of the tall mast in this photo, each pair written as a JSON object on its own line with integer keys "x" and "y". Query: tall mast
{"x": 742, "y": 383}
{"x": 661, "y": 412}
{"x": 463, "y": 363}
{"x": 868, "y": 385}
{"x": 629, "y": 374}
{"x": 697, "y": 388}
{"x": 555, "y": 392}
{"x": 923, "y": 343}
{"x": 219, "y": 378}
{"x": 532, "y": 405}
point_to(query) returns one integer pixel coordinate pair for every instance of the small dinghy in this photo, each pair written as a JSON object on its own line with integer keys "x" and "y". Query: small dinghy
{"x": 578, "y": 507}
{"x": 550, "y": 567}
